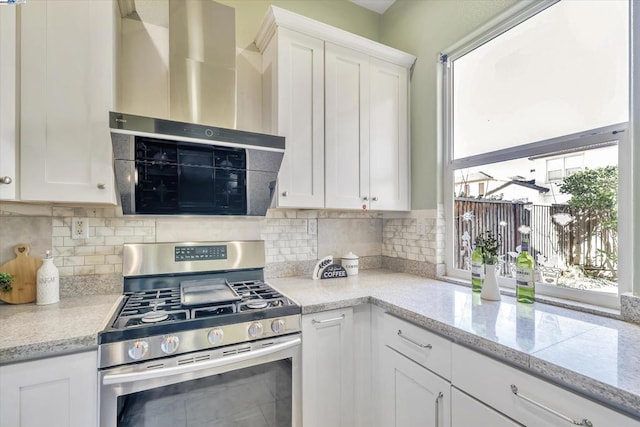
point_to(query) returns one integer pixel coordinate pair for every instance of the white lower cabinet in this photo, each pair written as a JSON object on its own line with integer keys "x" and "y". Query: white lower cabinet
{"x": 412, "y": 395}
{"x": 467, "y": 411}
{"x": 413, "y": 370}
{"x": 54, "y": 392}
{"x": 524, "y": 398}
{"x": 328, "y": 393}
{"x": 365, "y": 367}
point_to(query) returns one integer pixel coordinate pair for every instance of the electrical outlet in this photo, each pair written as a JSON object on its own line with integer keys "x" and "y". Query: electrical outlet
{"x": 312, "y": 226}
{"x": 79, "y": 228}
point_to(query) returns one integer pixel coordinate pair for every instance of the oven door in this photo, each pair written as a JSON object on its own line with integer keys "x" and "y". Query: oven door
{"x": 251, "y": 384}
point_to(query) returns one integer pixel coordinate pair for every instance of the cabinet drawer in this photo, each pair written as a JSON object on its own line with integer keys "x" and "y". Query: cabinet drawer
{"x": 466, "y": 411}
{"x": 537, "y": 402}
{"x": 418, "y": 344}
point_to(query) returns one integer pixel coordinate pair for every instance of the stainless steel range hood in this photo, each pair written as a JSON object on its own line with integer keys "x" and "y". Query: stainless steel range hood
{"x": 177, "y": 96}
{"x": 177, "y": 61}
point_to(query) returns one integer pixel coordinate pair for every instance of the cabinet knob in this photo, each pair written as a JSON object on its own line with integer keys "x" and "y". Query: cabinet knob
{"x": 365, "y": 198}
{"x": 285, "y": 193}
{"x": 5, "y": 180}
{"x": 374, "y": 198}
{"x": 101, "y": 186}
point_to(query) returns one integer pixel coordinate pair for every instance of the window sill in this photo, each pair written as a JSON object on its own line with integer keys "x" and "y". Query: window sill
{"x": 558, "y": 302}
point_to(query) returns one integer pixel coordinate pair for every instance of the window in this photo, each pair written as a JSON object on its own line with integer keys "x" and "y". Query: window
{"x": 559, "y": 168}
{"x": 539, "y": 104}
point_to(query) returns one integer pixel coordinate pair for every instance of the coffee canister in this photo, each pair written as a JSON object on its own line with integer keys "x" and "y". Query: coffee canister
{"x": 47, "y": 282}
{"x": 351, "y": 262}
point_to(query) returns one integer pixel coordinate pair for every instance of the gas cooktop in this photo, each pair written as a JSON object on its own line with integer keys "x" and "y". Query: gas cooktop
{"x": 149, "y": 312}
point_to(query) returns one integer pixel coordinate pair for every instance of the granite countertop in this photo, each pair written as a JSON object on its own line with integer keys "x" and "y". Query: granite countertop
{"x": 597, "y": 356}
{"x": 30, "y": 331}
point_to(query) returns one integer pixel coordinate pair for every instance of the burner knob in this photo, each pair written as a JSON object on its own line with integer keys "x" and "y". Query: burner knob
{"x": 170, "y": 344}
{"x": 215, "y": 336}
{"x": 255, "y": 330}
{"x": 138, "y": 350}
{"x": 278, "y": 326}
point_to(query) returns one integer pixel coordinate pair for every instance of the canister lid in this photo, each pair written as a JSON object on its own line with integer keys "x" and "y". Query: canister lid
{"x": 350, "y": 255}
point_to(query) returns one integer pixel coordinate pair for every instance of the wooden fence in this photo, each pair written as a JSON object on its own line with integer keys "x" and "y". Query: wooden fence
{"x": 584, "y": 241}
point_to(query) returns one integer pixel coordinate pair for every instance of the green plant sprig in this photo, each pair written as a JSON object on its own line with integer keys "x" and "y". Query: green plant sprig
{"x": 6, "y": 280}
{"x": 490, "y": 244}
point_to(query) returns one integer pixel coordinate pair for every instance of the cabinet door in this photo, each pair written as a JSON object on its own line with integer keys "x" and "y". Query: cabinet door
{"x": 466, "y": 411}
{"x": 347, "y": 128}
{"x": 389, "y": 141}
{"x": 293, "y": 76}
{"x": 54, "y": 392}
{"x": 412, "y": 396}
{"x": 328, "y": 369}
{"x": 8, "y": 139}
{"x": 67, "y": 74}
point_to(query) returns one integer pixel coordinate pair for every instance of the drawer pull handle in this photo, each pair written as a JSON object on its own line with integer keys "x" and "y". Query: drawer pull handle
{"x": 412, "y": 341}
{"x": 333, "y": 319}
{"x": 585, "y": 422}
{"x": 438, "y": 399}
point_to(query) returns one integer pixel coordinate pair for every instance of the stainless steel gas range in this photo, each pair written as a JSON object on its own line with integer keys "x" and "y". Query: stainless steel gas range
{"x": 197, "y": 326}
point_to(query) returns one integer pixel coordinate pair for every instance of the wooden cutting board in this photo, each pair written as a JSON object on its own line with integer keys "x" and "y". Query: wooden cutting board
{"x": 23, "y": 269}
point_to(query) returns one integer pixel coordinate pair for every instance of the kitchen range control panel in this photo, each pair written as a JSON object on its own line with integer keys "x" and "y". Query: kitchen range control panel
{"x": 200, "y": 253}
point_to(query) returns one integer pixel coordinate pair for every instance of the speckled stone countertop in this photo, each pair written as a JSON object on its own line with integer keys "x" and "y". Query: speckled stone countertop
{"x": 29, "y": 331}
{"x": 598, "y": 357}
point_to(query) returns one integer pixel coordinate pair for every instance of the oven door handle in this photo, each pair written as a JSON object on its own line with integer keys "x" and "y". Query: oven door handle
{"x": 198, "y": 366}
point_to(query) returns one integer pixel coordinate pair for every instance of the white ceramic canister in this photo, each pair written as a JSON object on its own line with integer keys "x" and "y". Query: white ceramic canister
{"x": 351, "y": 262}
{"x": 48, "y": 282}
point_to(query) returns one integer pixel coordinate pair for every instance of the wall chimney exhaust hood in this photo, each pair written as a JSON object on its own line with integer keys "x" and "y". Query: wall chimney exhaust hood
{"x": 176, "y": 150}
{"x": 177, "y": 61}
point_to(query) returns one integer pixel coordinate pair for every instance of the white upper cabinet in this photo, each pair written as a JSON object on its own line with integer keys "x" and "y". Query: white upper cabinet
{"x": 366, "y": 125}
{"x": 8, "y": 136}
{"x": 389, "y": 176}
{"x": 341, "y": 102}
{"x": 66, "y": 92}
{"x": 293, "y": 86}
{"x": 346, "y": 128}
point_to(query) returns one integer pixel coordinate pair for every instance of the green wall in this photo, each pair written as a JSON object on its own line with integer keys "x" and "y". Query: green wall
{"x": 424, "y": 28}
{"x": 339, "y": 13}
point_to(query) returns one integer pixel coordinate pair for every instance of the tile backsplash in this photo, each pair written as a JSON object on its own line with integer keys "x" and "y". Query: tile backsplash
{"x": 294, "y": 239}
{"x": 410, "y": 242}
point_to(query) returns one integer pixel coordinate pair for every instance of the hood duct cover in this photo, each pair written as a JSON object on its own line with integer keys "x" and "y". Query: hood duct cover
{"x": 177, "y": 61}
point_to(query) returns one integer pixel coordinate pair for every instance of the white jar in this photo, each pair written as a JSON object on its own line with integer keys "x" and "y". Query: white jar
{"x": 351, "y": 262}
{"x": 48, "y": 282}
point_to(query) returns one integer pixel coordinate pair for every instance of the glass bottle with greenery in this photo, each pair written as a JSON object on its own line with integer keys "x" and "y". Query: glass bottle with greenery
{"x": 477, "y": 268}
{"x": 525, "y": 283}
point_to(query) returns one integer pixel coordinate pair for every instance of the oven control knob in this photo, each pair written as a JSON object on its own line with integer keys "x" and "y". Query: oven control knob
{"x": 138, "y": 350}
{"x": 255, "y": 330}
{"x": 278, "y": 326}
{"x": 170, "y": 344}
{"x": 215, "y": 336}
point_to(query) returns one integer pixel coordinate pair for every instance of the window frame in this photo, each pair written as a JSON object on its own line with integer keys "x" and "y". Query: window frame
{"x": 500, "y": 24}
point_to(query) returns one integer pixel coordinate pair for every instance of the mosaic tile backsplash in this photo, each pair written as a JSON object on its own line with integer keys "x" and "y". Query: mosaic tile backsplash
{"x": 294, "y": 239}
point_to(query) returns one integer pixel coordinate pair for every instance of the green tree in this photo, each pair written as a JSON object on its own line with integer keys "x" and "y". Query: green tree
{"x": 594, "y": 193}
